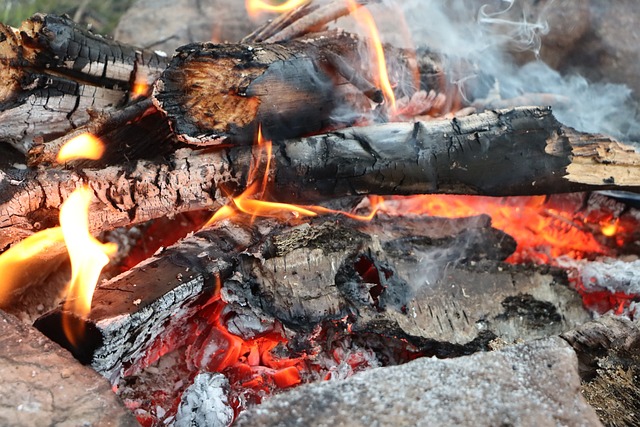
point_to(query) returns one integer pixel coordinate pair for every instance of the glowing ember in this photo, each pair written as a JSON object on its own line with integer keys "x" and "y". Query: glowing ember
{"x": 363, "y": 16}
{"x": 255, "y": 7}
{"x": 16, "y": 263}
{"x": 543, "y": 232}
{"x": 141, "y": 87}
{"x": 84, "y": 146}
{"x": 88, "y": 256}
{"x": 610, "y": 229}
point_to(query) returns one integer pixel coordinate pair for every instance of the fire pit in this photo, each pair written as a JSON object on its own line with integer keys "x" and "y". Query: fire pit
{"x": 312, "y": 227}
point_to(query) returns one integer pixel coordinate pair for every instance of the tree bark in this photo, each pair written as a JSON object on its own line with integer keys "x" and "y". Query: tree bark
{"x": 522, "y": 151}
{"x": 55, "y": 73}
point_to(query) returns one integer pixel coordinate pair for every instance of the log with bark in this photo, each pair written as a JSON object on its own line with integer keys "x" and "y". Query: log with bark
{"x": 56, "y": 73}
{"x": 402, "y": 279}
{"x": 522, "y": 151}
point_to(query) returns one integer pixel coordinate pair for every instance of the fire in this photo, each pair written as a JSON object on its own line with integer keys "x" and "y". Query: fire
{"x": 255, "y": 7}
{"x": 88, "y": 256}
{"x": 84, "y": 146}
{"x": 610, "y": 229}
{"x": 364, "y": 17}
{"x": 16, "y": 262}
{"x": 140, "y": 87}
{"x": 251, "y": 200}
{"x": 543, "y": 232}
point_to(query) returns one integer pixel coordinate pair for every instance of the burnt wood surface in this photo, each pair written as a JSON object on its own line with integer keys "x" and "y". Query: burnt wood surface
{"x": 55, "y": 73}
{"x": 416, "y": 279}
{"x": 522, "y": 151}
{"x": 43, "y": 385}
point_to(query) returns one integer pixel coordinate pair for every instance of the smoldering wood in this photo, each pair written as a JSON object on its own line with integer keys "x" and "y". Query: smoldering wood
{"x": 56, "y": 72}
{"x": 131, "y": 309}
{"x": 609, "y": 365}
{"x": 42, "y": 384}
{"x": 297, "y": 87}
{"x": 413, "y": 278}
{"x": 422, "y": 280}
{"x": 522, "y": 151}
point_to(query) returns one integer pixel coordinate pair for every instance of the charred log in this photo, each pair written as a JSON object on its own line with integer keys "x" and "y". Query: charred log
{"x": 55, "y": 72}
{"x": 293, "y": 88}
{"x": 393, "y": 277}
{"x": 523, "y": 151}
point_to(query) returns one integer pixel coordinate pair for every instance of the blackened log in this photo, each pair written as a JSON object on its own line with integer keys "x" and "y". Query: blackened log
{"x": 524, "y": 151}
{"x": 133, "y": 308}
{"x": 54, "y": 71}
{"x": 213, "y": 92}
{"x": 422, "y": 280}
{"x": 43, "y": 385}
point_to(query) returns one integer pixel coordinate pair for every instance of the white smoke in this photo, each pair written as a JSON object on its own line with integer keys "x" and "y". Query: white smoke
{"x": 470, "y": 32}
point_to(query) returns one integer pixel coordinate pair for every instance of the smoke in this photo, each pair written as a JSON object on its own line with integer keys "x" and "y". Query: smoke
{"x": 475, "y": 40}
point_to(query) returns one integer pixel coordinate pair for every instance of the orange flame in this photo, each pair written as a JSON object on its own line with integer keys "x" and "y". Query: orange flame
{"x": 141, "y": 87}
{"x": 251, "y": 200}
{"x": 364, "y": 17}
{"x": 16, "y": 263}
{"x": 609, "y": 229}
{"x": 84, "y": 146}
{"x": 255, "y": 7}
{"x": 88, "y": 257}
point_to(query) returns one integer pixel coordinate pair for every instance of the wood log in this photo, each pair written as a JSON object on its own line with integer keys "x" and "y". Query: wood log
{"x": 315, "y": 273}
{"x": 42, "y": 384}
{"x": 292, "y": 88}
{"x": 56, "y": 72}
{"x": 522, "y": 151}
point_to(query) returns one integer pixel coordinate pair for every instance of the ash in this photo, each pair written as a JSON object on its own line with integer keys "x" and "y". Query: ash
{"x": 609, "y": 274}
{"x": 205, "y": 403}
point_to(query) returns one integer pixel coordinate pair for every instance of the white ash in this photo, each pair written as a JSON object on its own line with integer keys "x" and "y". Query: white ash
{"x": 205, "y": 402}
{"x": 609, "y": 274}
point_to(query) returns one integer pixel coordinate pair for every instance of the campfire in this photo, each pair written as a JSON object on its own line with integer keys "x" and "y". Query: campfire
{"x": 243, "y": 231}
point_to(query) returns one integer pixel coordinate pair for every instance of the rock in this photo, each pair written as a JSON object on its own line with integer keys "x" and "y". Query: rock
{"x": 533, "y": 384}
{"x": 42, "y": 385}
{"x": 168, "y": 24}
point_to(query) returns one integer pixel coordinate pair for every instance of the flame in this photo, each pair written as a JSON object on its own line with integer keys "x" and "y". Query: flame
{"x": 251, "y": 200}
{"x": 255, "y": 7}
{"x": 364, "y": 17}
{"x": 542, "y": 232}
{"x": 16, "y": 262}
{"x": 88, "y": 257}
{"x": 610, "y": 229}
{"x": 83, "y": 146}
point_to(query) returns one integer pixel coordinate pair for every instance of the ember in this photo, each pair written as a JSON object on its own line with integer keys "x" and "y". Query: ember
{"x": 271, "y": 197}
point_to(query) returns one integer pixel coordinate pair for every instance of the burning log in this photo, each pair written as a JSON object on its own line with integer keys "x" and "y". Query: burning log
{"x": 522, "y": 151}
{"x": 375, "y": 278}
{"x": 42, "y": 383}
{"x": 213, "y": 92}
{"x": 55, "y": 73}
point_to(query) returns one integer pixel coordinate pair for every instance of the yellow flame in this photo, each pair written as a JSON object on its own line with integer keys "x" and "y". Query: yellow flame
{"x": 609, "y": 229}
{"x": 364, "y": 17}
{"x": 88, "y": 255}
{"x": 141, "y": 85}
{"x": 247, "y": 202}
{"x": 16, "y": 262}
{"x": 84, "y": 146}
{"x": 255, "y": 7}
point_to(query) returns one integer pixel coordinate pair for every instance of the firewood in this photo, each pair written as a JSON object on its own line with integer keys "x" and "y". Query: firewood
{"x": 211, "y": 93}
{"x": 524, "y": 151}
{"x": 401, "y": 278}
{"x": 54, "y": 72}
